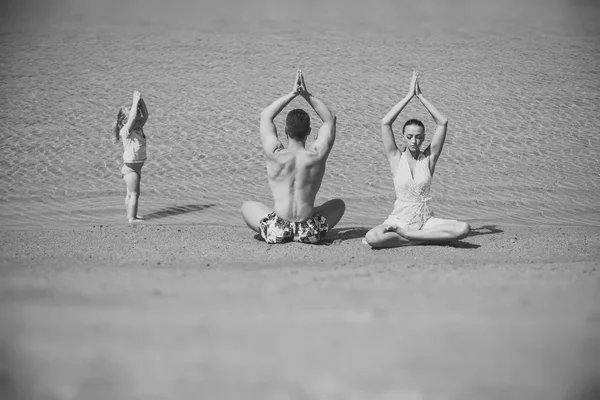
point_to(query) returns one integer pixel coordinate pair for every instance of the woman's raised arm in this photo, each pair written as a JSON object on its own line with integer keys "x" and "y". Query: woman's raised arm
{"x": 387, "y": 133}
{"x": 439, "y": 137}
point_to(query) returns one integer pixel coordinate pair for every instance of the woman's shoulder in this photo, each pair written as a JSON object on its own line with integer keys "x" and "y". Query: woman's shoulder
{"x": 426, "y": 154}
{"x": 394, "y": 161}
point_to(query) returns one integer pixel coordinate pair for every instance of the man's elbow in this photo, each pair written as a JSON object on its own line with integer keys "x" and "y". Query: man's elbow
{"x": 443, "y": 122}
{"x": 385, "y": 122}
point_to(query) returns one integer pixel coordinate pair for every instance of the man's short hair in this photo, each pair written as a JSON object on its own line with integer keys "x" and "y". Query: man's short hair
{"x": 297, "y": 124}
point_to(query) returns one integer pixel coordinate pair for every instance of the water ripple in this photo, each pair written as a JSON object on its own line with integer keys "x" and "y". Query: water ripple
{"x": 522, "y": 147}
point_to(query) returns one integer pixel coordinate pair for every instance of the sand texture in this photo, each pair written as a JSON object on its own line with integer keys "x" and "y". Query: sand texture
{"x": 196, "y": 311}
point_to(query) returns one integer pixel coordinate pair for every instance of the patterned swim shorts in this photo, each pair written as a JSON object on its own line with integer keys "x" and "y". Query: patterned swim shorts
{"x": 276, "y": 230}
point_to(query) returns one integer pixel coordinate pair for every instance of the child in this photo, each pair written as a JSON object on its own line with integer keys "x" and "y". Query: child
{"x": 128, "y": 128}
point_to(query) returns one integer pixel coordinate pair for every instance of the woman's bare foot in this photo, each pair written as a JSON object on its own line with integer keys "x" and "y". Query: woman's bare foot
{"x": 395, "y": 228}
{"x": 400, "y": 231}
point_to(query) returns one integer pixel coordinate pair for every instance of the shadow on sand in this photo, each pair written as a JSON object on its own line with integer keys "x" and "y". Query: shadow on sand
{"x": 485, "y": 230}
{"x": 482, "y": 230}
{"x": 177, "y": 210}
{"x": 462, "y": 245}
{"x": 340, "y": 234}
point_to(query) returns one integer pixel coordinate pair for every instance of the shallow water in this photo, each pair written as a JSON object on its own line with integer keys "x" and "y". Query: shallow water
{"x": 518, "y": 81}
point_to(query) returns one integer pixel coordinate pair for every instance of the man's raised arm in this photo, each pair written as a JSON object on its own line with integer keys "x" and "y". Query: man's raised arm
{"x": 268, "y": 130}
{"x": 326, "y": 137}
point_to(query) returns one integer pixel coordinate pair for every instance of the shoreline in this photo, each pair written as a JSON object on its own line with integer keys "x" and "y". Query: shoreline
{"x": 179, "y": 243}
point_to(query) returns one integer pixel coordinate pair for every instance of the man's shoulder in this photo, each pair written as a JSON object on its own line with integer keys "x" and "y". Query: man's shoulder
{"x": 300, "y": 159}
{"x": 317, "y": 151}
{"x": 312, "y": 155}
{"x": 279, "y": 157}
{"x": 278, "y": 152}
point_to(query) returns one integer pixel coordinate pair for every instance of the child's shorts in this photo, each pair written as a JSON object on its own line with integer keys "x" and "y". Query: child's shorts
{"x": 128, "y": 168}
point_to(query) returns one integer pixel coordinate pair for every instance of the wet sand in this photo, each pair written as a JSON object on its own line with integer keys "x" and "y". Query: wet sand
{"x": 202, "y": 311}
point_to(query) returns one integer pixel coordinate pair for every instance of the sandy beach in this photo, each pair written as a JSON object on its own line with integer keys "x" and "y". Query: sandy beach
{"x": 191, "y": 305}
{"x": 203, "y": 311}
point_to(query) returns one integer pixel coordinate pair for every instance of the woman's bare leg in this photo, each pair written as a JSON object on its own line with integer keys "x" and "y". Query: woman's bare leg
{"x": 383, "y": 236}
{"x": 394, "y": 236}
{"x": 446, "y": 232}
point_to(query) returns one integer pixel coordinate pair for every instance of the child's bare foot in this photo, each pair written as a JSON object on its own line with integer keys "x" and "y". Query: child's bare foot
{"x": 137, "y": 219}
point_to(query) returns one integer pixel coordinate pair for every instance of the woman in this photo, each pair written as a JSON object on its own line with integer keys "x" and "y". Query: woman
{"x": 412, "y": 222}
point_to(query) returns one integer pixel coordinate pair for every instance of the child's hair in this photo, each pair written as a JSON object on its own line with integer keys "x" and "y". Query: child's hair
{"x": 122, "y": 116}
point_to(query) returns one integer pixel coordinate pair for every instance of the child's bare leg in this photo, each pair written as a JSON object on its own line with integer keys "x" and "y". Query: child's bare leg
{"x": 127, "y": 205}
{"x": 132, "y": 180}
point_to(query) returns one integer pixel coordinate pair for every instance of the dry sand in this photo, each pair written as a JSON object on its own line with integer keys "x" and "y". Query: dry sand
{"x": 209, "y": 312}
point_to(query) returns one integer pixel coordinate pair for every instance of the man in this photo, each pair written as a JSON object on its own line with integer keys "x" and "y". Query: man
{"x": 295, "y": 174}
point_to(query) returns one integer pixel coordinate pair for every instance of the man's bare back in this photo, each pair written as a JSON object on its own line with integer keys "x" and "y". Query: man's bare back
{"x": 295, "y": 174}
{"x": 295, "y": 177}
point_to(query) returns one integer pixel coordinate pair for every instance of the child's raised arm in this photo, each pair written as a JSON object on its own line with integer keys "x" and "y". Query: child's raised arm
{"x": 144, "y": 111}
{"x": 133, "y": 111}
